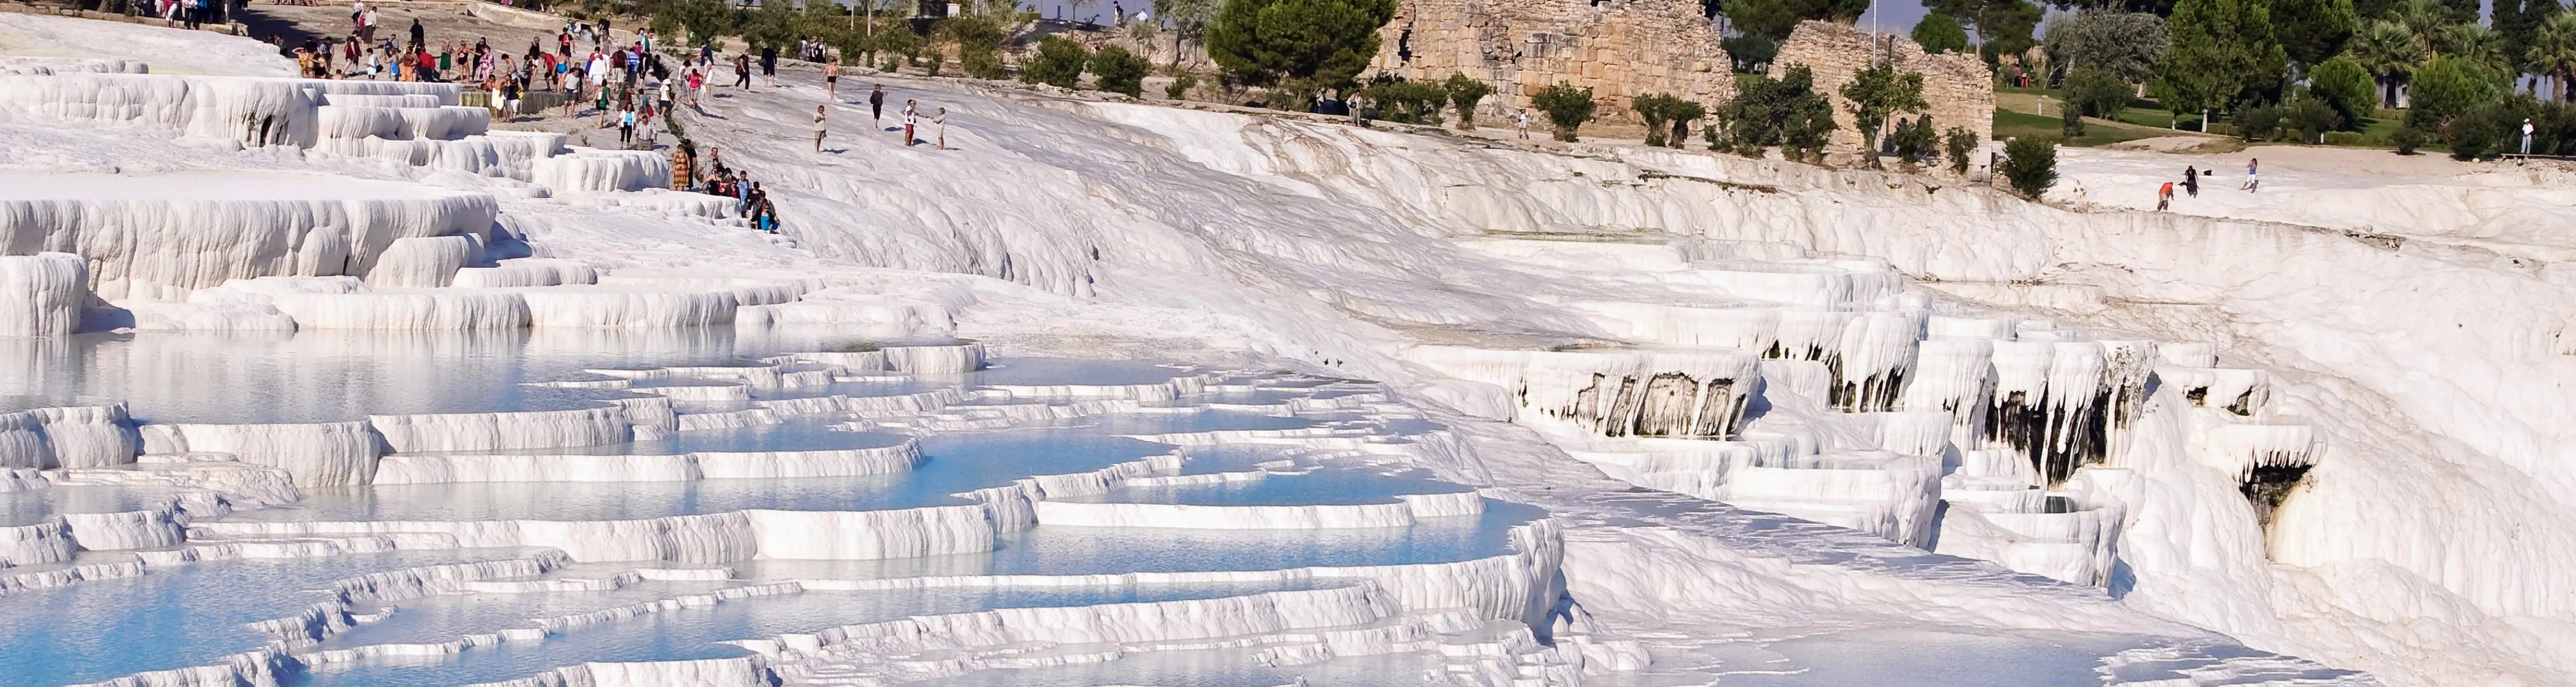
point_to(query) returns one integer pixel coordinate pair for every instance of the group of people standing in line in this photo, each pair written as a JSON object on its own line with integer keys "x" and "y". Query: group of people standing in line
{"x": 2191, "y": 175}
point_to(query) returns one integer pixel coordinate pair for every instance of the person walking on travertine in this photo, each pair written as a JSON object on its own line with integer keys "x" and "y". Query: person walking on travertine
{"x": 2252, "y": 182}
{"x": 832, "y": 79}
{"x": 876, "y": 104}
{"x": 818, "y": 128}
{"x": 941, "y": 121}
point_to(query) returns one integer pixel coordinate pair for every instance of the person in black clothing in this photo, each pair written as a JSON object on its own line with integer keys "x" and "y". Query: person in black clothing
{"x": 2191, "y": 180}
{"x": 769, "y": 66}
{"x": 876, "y": 103}
{"x": 742, "y": 71}
{"x": 419, "y": 36}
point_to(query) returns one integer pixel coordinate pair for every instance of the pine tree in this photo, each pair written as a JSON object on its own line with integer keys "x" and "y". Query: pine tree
{"x": 2222, "y": 51}
{"x": 1939, "y": 32}
{"x": 2313, "y": 30}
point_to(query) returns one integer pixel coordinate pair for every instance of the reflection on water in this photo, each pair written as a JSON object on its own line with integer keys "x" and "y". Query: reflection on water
{"x": 693, "y": 633}
{"x": 334, "y": 375}
{"x": 173, "y": 617}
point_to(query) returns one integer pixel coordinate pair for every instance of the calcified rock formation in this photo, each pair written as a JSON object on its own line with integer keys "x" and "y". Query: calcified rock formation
{"x": 1620, "y": 49}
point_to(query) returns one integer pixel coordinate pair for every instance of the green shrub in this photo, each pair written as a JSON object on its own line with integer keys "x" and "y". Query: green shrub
{"x": 1750, "y": 53}
{"x": 2448, "y": 87}
{"x": 1915, "y": 141}
{"x": 2489, "y": 129}
{"x": 2345, "y": 86}
{"x": 2222, "y": 129}
{"x": 2097, "y": 93}
{"x": 1407, "y": 102}
{"x": 1959, "y": 145}
{"x": 1116, "y": 70}
{"x": 979, "y": 45}
{"x": 2070, "y": 122}
{"x": 1180, "y": 87}
{"x": 1785, "y": 112}
{"x": 1464, "y": 93}
{"x": 2030, "y": 165}
{"x": 1567, "y": 107}
{"x": 1667, "y": 119}
{"x": 2257, "y": 122}
{"x": 1059, "y": 63}
{"x": 2313, "y": 117}
{"x": 2343, "y": 138}
{"x": 1657, "y": 110}
{"x": 2407, "y": 139}
{"x": 1683, "y": 113}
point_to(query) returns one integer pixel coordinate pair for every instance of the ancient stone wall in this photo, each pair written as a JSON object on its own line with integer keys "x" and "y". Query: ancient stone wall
{"x": 1959, "y": 88}
{"x": 1620, "y": 49}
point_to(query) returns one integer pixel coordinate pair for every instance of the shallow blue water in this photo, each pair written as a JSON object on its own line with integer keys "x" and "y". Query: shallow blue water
{"x": 2002, "y": 658}
{"x": 692, "y": 633}
{"x": 1040, "y": 370}
{"x": 31, "y": 507}
{"x": 956, "y": 464}
{"x": 448, "y": 617}
{"x": 173, "y": 617}
{"x": 814, "y": 433}
{"x": 325, "y": 375}
{"x": 1096, "y": 550}
{"x": 1213, "y": 668}
{"x": 1324, "y": 486}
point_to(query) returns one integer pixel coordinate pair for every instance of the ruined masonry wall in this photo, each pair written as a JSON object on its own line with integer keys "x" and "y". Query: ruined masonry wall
{"x": 1621, "y": 49}
{"x": 1959, "y": 88}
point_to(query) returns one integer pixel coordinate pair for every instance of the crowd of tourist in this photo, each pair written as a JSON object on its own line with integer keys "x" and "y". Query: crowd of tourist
{"x": 626, "y": 85}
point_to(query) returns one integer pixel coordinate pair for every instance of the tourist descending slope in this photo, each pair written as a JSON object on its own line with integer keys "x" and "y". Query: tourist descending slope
{"x": 832, "y": 79}
{"x": 697, "y": 90}
{"x": 941, "y": 121}
{"x": 876, "y": 105}
{"x": 769, "y": 66}
{"x": 1523, "y": 122}
{"x": 742, "y": 71}
{"x": 2191, "y": 180}
{"x": 818, "y": 128}
{"x": 2164, "y": 197}
{"x": 2252, "y": 182}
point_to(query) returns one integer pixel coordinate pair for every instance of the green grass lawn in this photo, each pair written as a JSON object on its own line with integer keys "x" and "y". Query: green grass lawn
{"x": 2010, "y": 124}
